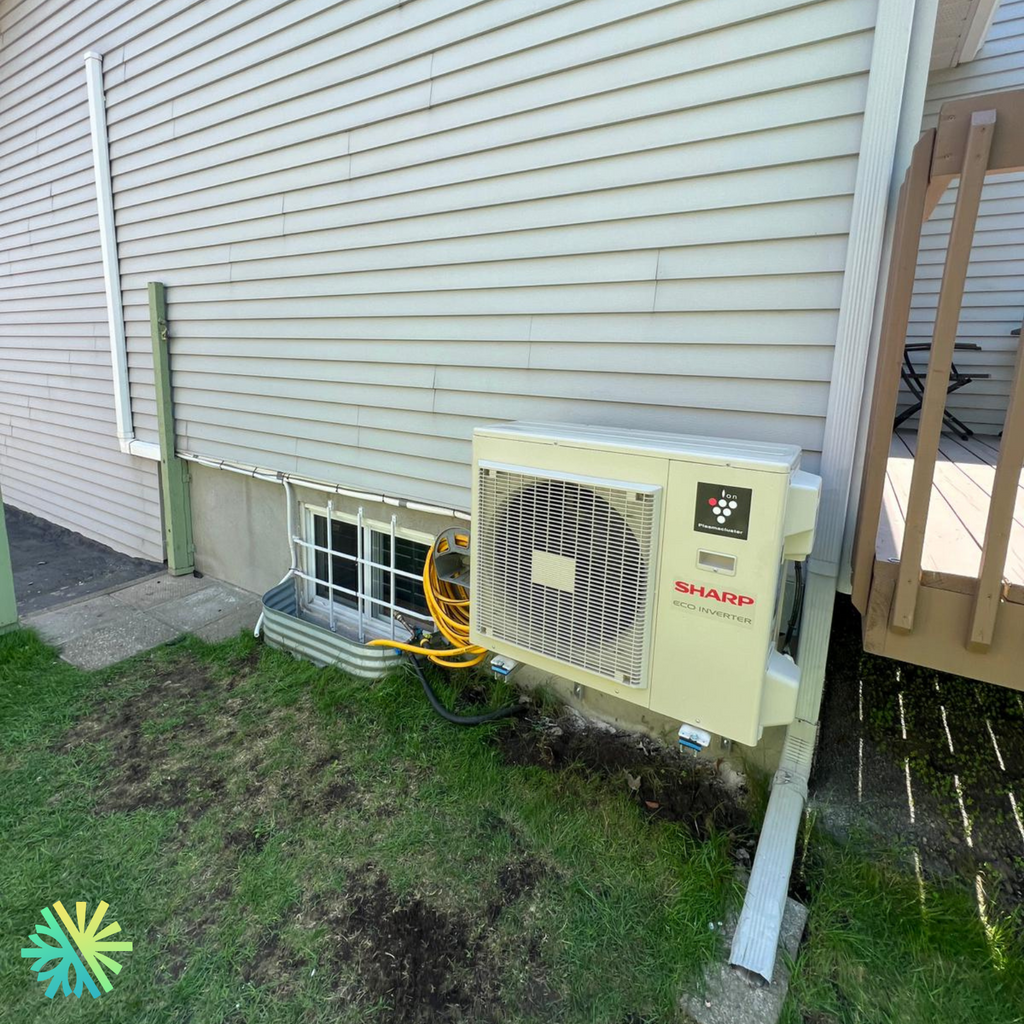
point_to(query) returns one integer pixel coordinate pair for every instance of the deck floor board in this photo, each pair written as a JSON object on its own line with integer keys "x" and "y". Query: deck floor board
{"x": 957, "y": 514}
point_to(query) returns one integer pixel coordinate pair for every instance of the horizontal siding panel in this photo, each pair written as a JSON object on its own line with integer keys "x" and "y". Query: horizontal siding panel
{"x": 791, "y": 256}
{"x": 316, "y": 357}
{"x": 792, "y": 428}
{"x": 315, "y": 252}
{"x": 375, "y": 219}
{"x": 768, "y": 292}
{"x": 46, "y": 461}
{"x": 625, "y": 284}
{"x": 32, "y": 492}
{"x": 445, "y": 114}
{"x": 341, "y": 251}
{"x": 49, "y": 57}
{"x": 48, "y": 438}
{"x": 783, "y": 328}
{"x": 387, "y": 195}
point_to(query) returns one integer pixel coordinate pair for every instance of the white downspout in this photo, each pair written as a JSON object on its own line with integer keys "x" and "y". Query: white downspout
{"x": 911, "y": 117}
{"x": 111, "y": 272}
{"x": 756, "y": 939}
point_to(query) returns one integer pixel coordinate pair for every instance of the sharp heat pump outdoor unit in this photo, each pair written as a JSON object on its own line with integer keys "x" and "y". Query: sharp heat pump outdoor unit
{"x": 646, "y": 565}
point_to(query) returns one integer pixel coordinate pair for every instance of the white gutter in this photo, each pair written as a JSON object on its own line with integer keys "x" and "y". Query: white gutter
{"x": 756, "y": 939}
{"x": 111, "y": 272}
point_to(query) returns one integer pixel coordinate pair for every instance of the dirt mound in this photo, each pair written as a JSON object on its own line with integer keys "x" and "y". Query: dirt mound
{"x": 424, "y": 962}
{"x": 663, "y": 782}
{"x": 414, "y": 957}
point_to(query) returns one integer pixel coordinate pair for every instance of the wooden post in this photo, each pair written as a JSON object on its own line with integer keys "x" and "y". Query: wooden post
{"x": 896, "y": 316}
{"x": 8, "y": 602}
{"x": 947, "y": 316}
{"x": 1000, "y": 516}
{"x": 174, "y": 476}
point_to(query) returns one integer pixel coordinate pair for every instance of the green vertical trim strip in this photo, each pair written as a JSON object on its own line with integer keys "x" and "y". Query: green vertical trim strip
{"x": 174, "y": 476}
{"x": 8, "y": 602}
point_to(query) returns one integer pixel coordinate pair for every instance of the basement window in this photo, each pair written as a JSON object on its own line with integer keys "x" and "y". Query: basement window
{"x": 364, "y": 564}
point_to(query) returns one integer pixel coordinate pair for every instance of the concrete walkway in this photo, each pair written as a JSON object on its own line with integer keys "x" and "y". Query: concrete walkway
{"x": 99, "y": 631}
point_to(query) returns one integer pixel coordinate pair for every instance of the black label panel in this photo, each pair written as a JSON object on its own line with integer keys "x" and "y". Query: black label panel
{"x": 722, "y": 510}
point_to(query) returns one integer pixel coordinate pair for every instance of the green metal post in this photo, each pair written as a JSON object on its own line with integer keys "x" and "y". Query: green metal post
{"x": 174, "y": 476}
{"x": 8, "y": 603}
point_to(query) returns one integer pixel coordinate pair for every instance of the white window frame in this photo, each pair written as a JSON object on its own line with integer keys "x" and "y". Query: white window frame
{"x": 373, "y": 617}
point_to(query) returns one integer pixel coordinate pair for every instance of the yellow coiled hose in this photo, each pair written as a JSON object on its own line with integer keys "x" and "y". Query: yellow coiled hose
{"x": 449, "y": 608}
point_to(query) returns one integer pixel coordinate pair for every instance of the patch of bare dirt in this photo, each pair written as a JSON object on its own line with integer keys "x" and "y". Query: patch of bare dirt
{"x": 657, "y": 778}
{"x": 275, "y": 965}
{"x": 173, "y": 746}
{"x": 423, "y": 961}
{"x": 149, "y": 762}
{"x": 417, "y": 958}
{"x": 176, "y": 952}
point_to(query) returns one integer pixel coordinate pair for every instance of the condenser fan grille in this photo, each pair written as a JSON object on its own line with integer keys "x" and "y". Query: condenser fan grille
{"x": 563, "y": 568}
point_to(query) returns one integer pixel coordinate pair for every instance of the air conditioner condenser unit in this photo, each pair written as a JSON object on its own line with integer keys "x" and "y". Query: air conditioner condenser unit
{"x": 646, "y": 565}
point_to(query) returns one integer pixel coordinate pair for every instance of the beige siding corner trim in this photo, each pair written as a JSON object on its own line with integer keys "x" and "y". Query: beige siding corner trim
{"x": 757, "y": 932}
{"x": 111, "y": 271}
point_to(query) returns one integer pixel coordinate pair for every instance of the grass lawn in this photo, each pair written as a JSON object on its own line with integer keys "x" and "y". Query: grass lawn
{"x": 284, "y": 844}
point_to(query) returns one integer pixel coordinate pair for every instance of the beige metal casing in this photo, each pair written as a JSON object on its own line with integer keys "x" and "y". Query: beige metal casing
{"x": 711, "y": 603}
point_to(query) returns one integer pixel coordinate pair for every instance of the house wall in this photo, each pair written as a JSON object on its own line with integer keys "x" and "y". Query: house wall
{"x": 994, "y": 296}
{"x": 59, "y": 455}
{"x": 384, "y": 223}
{"x": 381, "y": 224}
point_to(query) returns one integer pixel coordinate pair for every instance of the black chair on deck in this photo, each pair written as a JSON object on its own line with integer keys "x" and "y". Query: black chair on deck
{"x": 915, "y": 377}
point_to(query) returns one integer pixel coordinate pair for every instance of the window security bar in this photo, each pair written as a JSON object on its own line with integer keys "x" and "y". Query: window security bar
{"x": 368, "y": 561}
{"x": 360, "y": 576}
{"x": 330, "y": 572}
{"x": 394, "y": 589}
{"x": 299, "y": 574}
{"x": 363, "y": 562}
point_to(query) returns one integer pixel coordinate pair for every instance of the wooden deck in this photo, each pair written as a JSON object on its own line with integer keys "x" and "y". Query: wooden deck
{"x": 958, "y": 511}
{"x": 938, "y": 553}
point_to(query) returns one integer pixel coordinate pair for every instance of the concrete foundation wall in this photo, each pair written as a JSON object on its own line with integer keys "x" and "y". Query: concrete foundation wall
{"x": 239, "y": 529}
{"x": 240, "y": 533}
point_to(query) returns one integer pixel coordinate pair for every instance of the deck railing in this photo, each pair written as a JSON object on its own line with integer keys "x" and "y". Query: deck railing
{"x": 975, "y": 138}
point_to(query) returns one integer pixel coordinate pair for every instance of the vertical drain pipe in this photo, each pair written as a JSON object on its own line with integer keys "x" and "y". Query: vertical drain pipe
{"x": 111, "y": 270}
{"x": 756, "y": 939}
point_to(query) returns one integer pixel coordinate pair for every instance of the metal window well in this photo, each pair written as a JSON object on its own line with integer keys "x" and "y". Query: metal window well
{"x": 285, "y": 628}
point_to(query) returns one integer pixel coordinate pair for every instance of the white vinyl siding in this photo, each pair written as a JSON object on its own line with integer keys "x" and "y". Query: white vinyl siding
{"x": 59, "y": 455}
{"x": 382, "y": 224}
{"x": 994, "y": 295}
